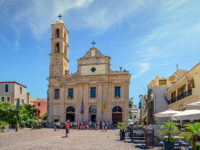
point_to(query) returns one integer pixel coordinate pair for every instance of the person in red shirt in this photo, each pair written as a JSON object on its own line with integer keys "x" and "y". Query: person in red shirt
{"x": 67, "y": 127}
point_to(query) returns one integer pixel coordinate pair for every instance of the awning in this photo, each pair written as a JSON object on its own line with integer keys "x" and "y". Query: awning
{"x": 192, "y": 114}
{"x": 167, "y": 113}
{"x": 195, "y": 105}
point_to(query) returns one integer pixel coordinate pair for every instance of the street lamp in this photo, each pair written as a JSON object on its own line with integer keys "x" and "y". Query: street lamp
{"x": 140, "y": 107}
{"x": 16, "y": 109}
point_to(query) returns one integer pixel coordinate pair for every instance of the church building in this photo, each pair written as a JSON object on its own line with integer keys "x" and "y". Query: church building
{"x": 93, "y": 93}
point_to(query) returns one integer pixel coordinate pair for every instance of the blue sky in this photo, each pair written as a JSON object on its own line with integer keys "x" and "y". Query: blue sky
{"x": 148, "y": 38}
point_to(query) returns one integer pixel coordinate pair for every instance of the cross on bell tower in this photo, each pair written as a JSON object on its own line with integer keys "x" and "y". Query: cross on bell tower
{"x": 60, "y": 16}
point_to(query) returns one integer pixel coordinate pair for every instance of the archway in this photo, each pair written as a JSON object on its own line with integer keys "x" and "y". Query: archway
{"x": 92, "y": 112}
{"x": 116, "y": 114}
{"x": 57, "y": 48}
{"x": 57, "y": 33}
{"x": 70, "y": 113}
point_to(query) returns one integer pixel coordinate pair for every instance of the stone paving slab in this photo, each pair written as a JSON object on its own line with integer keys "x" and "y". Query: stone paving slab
{"x": 48, "y": 139}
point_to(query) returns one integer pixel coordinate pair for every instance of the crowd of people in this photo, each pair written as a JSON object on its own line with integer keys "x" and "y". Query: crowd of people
{"x": 83, "y": 125}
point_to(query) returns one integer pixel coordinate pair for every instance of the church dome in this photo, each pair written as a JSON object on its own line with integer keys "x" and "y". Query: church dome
{"x": 59, "y": 21}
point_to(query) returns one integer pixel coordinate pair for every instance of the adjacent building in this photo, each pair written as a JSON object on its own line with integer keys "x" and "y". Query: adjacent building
{"x": 93, "y": 93}
{"x": 156, "y": 99}
{"x": 11, "y": 90}
{"x": 135, "y": 113}
{"x": 39, "y": 103}
{"x": 186, "y": 90}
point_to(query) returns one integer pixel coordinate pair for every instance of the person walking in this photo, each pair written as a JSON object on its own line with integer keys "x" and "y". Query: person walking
{"x": 67, "y": 127}
{"x": 106, "y": 125}
{"x": 103, "y": 125}
{"x": 55, "y": 126}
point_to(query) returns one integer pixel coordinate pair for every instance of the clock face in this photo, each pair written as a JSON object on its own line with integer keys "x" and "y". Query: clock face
{"x": 56, "y": 59}
{"x": 93, "y": 69}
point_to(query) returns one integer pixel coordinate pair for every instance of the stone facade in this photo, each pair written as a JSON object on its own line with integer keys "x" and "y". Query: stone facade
{"x": 11, "y": 90}
{"x": 68, "y": 93}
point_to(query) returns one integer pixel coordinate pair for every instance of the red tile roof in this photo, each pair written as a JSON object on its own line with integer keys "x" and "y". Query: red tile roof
{"x": 12, "y": 82}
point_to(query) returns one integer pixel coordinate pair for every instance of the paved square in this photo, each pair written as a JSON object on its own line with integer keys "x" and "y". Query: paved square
{"x": 48, "y": 139}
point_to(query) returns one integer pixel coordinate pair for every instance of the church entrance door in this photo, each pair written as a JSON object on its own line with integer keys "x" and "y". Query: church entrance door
{"x": 116, "y": 114}
{"x": 92, "y": 111}
{"x": 70, "y": 113}
{"x": 70, "y": 117}
{"x": 93, "y": 118}
{"x": 116, "y": 117}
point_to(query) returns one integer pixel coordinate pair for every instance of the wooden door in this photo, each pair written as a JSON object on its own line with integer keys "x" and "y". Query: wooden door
{"x": 116, "y": 117}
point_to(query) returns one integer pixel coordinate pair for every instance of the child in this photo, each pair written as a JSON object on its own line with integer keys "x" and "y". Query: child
{"x": 67, "y": 127}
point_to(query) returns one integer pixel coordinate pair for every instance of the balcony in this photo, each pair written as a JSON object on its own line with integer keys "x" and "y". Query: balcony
{"x": 179, "y": 97}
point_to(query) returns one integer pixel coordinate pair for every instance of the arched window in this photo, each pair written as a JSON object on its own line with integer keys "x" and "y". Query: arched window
{"x": 70, "y": 109}
{"x": 117, "y": 109}
{"x": 92, "y": 109}
{"x": 57, "y": 48}
{"x": 57, "y": 33}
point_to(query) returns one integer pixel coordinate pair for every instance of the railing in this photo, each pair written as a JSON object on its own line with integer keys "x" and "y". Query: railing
{"x": 181, "y": 96}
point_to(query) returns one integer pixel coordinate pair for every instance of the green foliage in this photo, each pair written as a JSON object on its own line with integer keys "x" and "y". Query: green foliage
{"x": 44, "y": 117}
{"x": 130, "y": 115}
{"x": 28, "y": 116}
{"x": 6, "y": 112}
{"x": 3, "y": 125}
{"x": 197, "y": 146}
{"x": 169, "y": 129}
{"x": 192, "y": 132}
{"x": 31, "y": 122}
{"x": 121, "y": 126}
{"x": 130, "y": 102}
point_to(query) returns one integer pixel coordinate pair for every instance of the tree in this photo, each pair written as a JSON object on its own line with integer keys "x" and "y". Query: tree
{"x": 27, "y": 115}
{"x": 130, "y": 106}
{"x": 44, "y": 117}
{"x": 8, "y": 112}
{"x": 169, "y": 129}
{"x": 192, "y": 132}
{"x": 131, "y": 102}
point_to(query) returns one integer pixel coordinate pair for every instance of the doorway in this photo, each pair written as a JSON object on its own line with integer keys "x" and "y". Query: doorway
{"x": 116, "y": 117}
{"x": 93, "y": 118}
{"x": 70, "y": 113}
{"x": 116, "y": 114}
{"x": 70, "y": 117}
{"x": 92, "y": 112}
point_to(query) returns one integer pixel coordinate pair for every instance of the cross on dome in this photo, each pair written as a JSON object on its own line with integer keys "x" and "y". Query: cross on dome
{"x": 93, "y": 43}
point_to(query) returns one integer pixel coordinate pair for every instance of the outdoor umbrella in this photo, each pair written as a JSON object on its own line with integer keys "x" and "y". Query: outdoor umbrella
{"x": 192, "y": 114}
{"x": 166, "y": 113}
{"x": 195, "y": 105}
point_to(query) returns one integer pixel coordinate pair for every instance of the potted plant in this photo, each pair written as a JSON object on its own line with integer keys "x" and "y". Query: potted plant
{"x": 3, "y": 126}
{"x": 192, "y": 131}
{"x": 122, "y": 127}
{"x": 168, "y": 129}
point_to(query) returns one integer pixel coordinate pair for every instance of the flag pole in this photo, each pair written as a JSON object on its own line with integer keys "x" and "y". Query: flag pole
{"x": 102, "y": 109}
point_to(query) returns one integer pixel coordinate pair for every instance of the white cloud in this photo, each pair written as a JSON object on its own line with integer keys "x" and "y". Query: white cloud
{"x": 143, "y": 67}
{"x": 102, "y": 16}
{"x": 40, "y": 14}
{"x": 98, "y": 15}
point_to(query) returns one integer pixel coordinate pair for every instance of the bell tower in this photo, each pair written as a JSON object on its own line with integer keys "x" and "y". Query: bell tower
{"x": 59, "y": 62}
